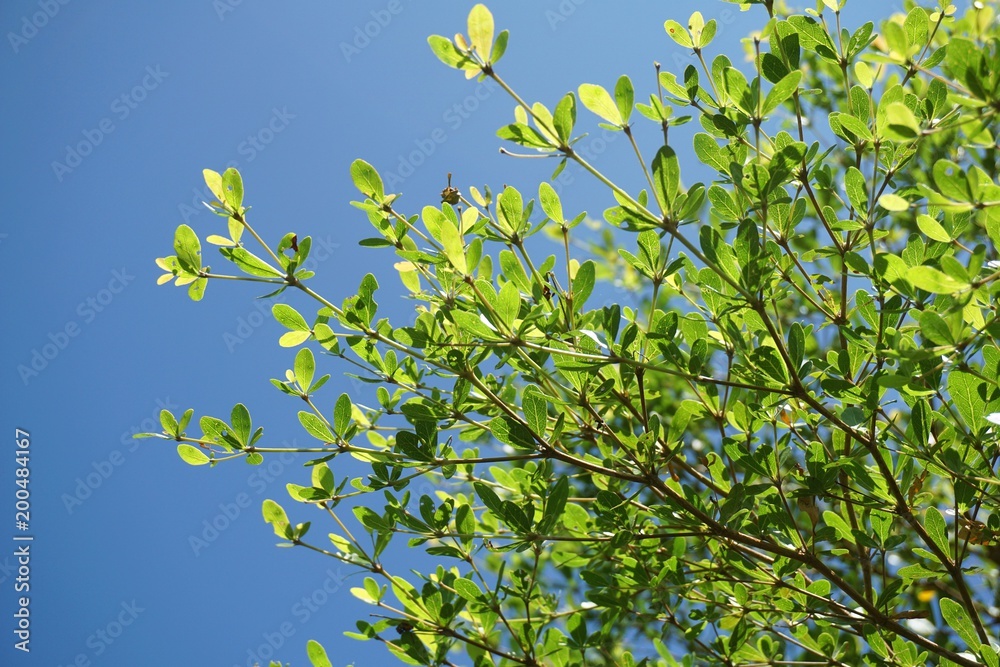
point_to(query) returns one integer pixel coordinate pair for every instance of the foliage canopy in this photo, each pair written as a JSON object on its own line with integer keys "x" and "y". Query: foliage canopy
{"x": 785, "y": 451}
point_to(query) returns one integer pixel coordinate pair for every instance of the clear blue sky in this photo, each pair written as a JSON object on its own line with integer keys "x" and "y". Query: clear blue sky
{"x": 112, "y": 110}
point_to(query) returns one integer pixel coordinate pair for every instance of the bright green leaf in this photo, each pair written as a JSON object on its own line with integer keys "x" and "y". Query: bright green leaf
{"x": 597, "y": 100}
{"x": 192, "y": 455}
{"x": 481, "y": 30}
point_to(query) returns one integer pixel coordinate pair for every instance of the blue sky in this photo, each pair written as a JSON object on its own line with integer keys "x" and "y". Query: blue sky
{"x": 112, "y": 111}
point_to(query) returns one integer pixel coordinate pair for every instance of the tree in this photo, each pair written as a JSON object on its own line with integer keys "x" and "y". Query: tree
{"x": 785, "y": 454}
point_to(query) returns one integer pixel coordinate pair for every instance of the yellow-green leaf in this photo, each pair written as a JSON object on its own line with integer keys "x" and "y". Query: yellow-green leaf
{"x": 317, "y": 654}
{"x": 481, "y": 30}
{"x": 900, "y": 123}
{"x": 192, "y": 455}
{"x": 599, "y": 101}
{"x": 293, "y": 338}
{"x": 935, "y": 281}
{"x": 454, "y": 249}
{"x": 892, "y": 202}
{"x": 932, "y": 229}
{"x": 958, "y": 619}
{"x": 677, "y": 33}
{"x": 213, "y": 180}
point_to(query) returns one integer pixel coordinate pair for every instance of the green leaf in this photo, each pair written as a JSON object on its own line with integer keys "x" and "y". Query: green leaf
{"x": 666, "y": 176}
{"x": 513, "y": 433}
{"x": 958, "y": 619}
{"x": 342, "y": 414}
{"x": 305, "y": 368}
{"x": 781, "y": 92}
{"x": 677, "y": 33}
{"x": 197, "y": 289}
{"x": 964, "y": 389}
{"x": 624, "y": 98}
{"x": 168, "y": 422}
{"x": 837, "y": 522}
{"x": 293, "y": 338}
{"x": 454, "y": 249}
{"x": 934, "y": 329}
{"x": 367, "y": 180}
{"x": 508, "y": 303}
{"x": 709, "y": 153}
{"x": 316, "y": 427}
{"x": 707, "y": 34}
{"x": 696, "y": 23}
{"x": 185, "y": 420}
{"x": 857, "y": 189}
{"x": 240, "y": 418}
{"x": 362, "y": 594}
{"x": 524, "y": 135}
{"x": 188, "y": 249}
{"x": 555, "y": 504}
{"x": 934, "y": 523}
{"x": 471, "y": 324}
{"x": 864, "y": 73}
{"x": 583, "y": 283}
{"x": 649, "y": 248}
{"x": 275, "y": 515}
{"x": 213, "y": 429}
{"x": 772, "y": 68}
{"x": 489, "y": 497}
{"x": 317, "y": 654}
{"x": 213, "y": 180}
{"x": 288, "y": 317}
{"x": 499, "y": 47}
{"x": 192, "y": 455}
{"x": 481, "y": 30}
{"x": 468, "y": 590}
{"x": 550, "y": 202}
{"x": 900, "y": 123}
{"x": 535, "y": 409}
{"x": 891, "y": 202}
{"x": 250, "y": 263}
{"x": 232, "y": 188}
{"x": 962, "y": 56}
{"x": 854, "y": 126}
{"x": 934, "y": 281}
{"x": 447, "y": 52}
{"x": 564, "y": 118}
{"x": 932, "y": 229}
{"x": 812, "y": 35}
{"x": 951, "y": 181}
{"x": 511, "y": 208}
{"x": 916, "y": 25}
{"x": 598, "y": 101}
{"x": 515, "y": 517}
